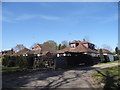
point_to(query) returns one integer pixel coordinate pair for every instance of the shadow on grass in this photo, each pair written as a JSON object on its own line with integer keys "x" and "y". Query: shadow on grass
{"x": 109, "y": 81}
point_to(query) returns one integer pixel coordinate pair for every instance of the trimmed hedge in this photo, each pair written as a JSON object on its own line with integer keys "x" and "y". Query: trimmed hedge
{"x": 28, "y": 62}
{"x": 21, "y": 61}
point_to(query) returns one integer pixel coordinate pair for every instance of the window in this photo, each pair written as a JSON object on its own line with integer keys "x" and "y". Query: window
{"x": 91, "y": 46}
{"x": 73, "y": 45}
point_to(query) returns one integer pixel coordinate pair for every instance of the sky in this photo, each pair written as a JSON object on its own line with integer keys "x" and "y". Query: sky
{"x": 36, "y": 22}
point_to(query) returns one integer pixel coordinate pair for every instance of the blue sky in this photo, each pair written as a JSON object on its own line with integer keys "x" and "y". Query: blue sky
{"x": 29, "y": 23}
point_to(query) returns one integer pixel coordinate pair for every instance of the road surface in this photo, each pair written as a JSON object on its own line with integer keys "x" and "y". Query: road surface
{"x": 74, "y": 78}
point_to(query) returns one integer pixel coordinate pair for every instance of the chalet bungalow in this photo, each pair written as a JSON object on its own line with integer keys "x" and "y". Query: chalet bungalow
{"x": 77, "y": 47}
{"x": 84, "y": 47}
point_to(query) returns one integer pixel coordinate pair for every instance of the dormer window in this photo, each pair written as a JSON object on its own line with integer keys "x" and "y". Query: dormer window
{"x": 73, "y": 45}
{"x": 91, "y": 46}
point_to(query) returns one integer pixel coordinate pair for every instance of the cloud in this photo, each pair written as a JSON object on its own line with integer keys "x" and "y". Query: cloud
{"x": 24, "y": 17}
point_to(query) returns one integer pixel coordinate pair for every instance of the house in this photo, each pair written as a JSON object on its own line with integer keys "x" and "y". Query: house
{"x": 77, "y": 47}
{"x": 109, "y": 54}
{"x": 77, "y": 53}
{"x": 22, "y": 52}
{"x": 41, "y": 50}
{"x": 7, "y": 52}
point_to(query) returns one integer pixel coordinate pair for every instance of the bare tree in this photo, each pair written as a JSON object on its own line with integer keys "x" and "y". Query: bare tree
{"x": 97, "y": 47}
{"x": 65, "y": 42}
{"x": 104, "y": 46}
{"x": 86, "y": 38}
{"x": 33, "y": 45}
{"x": 19, "y": 47}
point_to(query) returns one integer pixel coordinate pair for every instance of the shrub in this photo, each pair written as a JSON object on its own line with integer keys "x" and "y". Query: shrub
{"x": 22, "y": 62}
{"x": 116, "y": 58}
{"x": 30, "y": 61}
{"x": 11, "y": 63}
{"x": 5, "y": 60}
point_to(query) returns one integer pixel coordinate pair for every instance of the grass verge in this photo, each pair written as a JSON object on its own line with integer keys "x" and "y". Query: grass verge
{"x": 118, "y": 61}
{"x": 10, "y": 70}
{"x": 108, "y": 77}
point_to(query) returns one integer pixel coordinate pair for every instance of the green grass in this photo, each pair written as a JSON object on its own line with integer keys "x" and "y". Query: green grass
{"x": 109, "y": 77}
{"x": 109, "y": 62}
{"x": 9, "y": 70}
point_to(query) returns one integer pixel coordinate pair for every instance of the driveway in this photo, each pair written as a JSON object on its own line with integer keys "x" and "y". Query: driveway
{"x": 74, "y": 78}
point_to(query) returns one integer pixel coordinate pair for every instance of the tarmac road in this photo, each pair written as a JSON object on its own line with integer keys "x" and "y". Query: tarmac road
{"x": 74, "y": 78}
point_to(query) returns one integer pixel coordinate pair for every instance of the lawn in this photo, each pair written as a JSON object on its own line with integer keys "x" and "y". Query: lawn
{"x": 108, "y": 77}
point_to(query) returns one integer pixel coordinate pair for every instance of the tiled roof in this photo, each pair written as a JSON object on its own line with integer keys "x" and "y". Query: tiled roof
{"x": 106, "y": 51}
{"x": 46, "y": 48}
{"x": 21, "y": 52}
{"x": 75, "y": 41}
{"x": 7, "y": 52}
{"x": 80, "y": 48}
{"x": 38, "y": 52}
{"x": 43, "y": 50}
{"x": 84, "y": 42}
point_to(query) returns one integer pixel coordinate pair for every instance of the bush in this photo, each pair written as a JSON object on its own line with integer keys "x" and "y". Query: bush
{"x": 116, "y": 58}
{"x": 5, "y": 60}
{"x": 28, "y": 62}
{"x": 21, "y": 61}
{"x": 11, "y": 63}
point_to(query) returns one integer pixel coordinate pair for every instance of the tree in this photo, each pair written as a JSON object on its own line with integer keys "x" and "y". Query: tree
{"x": 86, "y": 38}
{"x": 59, "y": 47}
{"x": 101, "y": 55}
{"x": 51, "y": 44}
{"x": 19, "y": 47}
{"x": 64, "y": 44}
{"x": 116, "y": 50}
{"x": 83, "y": 39}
